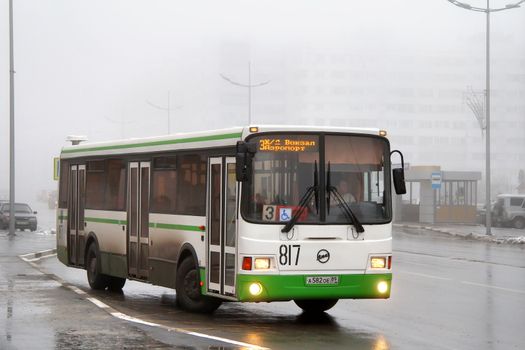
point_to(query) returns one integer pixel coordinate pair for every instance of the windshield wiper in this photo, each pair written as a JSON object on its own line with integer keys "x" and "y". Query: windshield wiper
{"x": 341, "y": 203}
{"x": 312, "y": 190}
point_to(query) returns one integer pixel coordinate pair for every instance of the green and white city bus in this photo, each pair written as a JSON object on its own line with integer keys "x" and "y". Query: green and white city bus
{"x": 266, "y": 213}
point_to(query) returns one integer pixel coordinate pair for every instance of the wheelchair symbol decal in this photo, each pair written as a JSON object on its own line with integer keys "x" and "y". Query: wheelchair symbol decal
{"x": 285, "y": 214}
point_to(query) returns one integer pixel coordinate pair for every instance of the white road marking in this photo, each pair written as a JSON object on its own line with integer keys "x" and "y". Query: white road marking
{"x": 180, "y": 330}
{"x": 98, "y": 303}
{"x": 425, "y": 275}
{"x": 77, "y": 290}
{"x": 463, "y": 282}
{"x": 30, "y": 258}
{"x": 494, "y": 287}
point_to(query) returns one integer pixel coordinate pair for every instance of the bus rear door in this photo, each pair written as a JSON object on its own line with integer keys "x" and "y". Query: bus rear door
{"x": 76, "y": 203}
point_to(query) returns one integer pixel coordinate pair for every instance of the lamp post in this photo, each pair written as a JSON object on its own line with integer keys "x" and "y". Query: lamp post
{"x": 487, "y": 10}
{"x": 122, "y": 123}
{"x": 249, "y": 86}
{"x": 11, "y": 125}
{"x": 168, "y": 109}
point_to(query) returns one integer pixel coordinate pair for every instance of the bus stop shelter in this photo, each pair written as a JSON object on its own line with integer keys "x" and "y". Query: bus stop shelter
{"x": 438, "y": 196}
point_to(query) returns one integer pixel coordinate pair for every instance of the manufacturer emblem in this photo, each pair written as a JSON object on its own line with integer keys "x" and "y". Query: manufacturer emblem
{"x": 323, "y": 256}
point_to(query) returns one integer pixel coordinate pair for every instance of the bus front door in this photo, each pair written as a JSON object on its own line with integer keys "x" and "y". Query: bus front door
{"x": 76, "y": 202}
{"x": 138, "y": 219}
{"x": 222, "y": 226}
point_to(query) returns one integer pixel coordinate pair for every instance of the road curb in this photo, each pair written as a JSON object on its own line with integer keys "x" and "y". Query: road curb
{"x": 470, "y": 235}
{"x": 38, "y": 255}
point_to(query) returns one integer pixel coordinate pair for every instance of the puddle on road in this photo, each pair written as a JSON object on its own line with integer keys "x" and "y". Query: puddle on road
{"x": 36, "y": 312}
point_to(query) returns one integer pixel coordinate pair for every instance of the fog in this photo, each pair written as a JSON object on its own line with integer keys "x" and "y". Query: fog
{"x": 95, "y": 68}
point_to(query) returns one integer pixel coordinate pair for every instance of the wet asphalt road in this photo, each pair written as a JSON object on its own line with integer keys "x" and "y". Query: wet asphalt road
{"x": 447, "y": 293}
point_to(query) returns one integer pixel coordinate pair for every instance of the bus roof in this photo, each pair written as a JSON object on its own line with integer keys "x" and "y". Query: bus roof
{"x": 193, "y": 140}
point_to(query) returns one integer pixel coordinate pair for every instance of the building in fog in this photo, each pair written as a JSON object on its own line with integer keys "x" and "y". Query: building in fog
{"x": 418, "y": 98}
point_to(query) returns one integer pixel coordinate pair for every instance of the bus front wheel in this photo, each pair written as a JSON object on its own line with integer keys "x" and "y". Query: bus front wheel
{"x": 187, "y": 287}
{"x": 96, "y": 279}
{"x": 316, "y": 306}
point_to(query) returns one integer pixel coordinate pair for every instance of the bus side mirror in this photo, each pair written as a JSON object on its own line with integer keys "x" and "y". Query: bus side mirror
{"x": 398, "y": 175}
{"x": 241, "y": 167}
{"x": 243, "y": 160}
{"x": 399, "y": 180}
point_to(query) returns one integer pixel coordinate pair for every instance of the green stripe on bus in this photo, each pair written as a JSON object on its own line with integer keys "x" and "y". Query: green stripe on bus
{"x": 106, "y": 221}
{"x": 175, "y": 227}
{"x": 156, "y": 143}
{"x": 288, "y": 287}
{"x": 151, "y": 224}
{"x": 63, "y": 217}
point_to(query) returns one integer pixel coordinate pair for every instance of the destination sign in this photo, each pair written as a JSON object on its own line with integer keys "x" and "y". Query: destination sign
{"x": 287, "y": 145}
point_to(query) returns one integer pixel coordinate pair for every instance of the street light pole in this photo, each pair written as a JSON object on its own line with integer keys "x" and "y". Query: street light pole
{"x": 122, "y": 123}
{"x": 168, "y": 109}
{"x": 11, "y": 125}
{"x": 488, "y": 206}
{"x": 487, "y": 11}
{"x": 249, "y": 86}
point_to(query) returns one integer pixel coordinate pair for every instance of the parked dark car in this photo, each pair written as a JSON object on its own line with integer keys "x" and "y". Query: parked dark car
{"x": 25, "y": 217}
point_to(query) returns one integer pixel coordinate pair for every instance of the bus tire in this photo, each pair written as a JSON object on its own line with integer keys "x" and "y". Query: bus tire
{"x": 187, "y": 287}
{"x": 316, "y": 306}
{"x": 115, "y": 284}
{"x": 96, "y": 279}
{"x": 519, "y": 222}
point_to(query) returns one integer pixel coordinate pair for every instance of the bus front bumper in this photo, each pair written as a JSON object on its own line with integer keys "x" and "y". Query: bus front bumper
{"x": 289, "y": 287}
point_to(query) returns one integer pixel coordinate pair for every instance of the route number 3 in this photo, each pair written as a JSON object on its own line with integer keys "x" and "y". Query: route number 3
{"x": 289, "y": 254}
{"x": 268, "y": 213}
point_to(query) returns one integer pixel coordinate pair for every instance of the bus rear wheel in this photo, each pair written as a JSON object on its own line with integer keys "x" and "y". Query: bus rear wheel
{"x": 316, "y": 306}
{"x": 187, "y": 287}
{"x": 96, "y": 279}
{"x": 115, "y": 284}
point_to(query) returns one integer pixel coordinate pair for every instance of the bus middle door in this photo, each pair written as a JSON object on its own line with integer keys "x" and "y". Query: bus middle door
{"x": 222, "y": 226}
{"x": 138, "y": 219}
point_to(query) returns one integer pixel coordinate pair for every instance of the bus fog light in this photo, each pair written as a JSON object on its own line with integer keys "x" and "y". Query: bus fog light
{"x": 262, "y": 263}
{"x": 382, "y": 287}
{"x": 255, "y": 289}
{"x": 378, "y": 262}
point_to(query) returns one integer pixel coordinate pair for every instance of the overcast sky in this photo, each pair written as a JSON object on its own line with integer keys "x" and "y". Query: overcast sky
{"x": 85, "y": 66}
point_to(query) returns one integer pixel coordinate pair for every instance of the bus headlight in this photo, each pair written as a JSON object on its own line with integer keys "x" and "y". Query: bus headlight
{"x": 255, "y": 289}
{"x": 382, "y": 287}
{"x": 378, "y": 262}
{"x": 261, "y": 263}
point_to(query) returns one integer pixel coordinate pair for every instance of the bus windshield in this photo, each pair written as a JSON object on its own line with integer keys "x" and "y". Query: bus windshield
{"x": 285, "y": 167}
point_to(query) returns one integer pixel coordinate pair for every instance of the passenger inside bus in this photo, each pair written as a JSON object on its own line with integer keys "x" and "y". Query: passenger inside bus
{"x": 344, "y": 190}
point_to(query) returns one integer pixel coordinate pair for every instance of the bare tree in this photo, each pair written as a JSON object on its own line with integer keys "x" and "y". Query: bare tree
{"x": 521, "y": 181}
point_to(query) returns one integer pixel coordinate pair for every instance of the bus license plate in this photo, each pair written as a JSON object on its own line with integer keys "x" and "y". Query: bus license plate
{"x": 315, "y": 280}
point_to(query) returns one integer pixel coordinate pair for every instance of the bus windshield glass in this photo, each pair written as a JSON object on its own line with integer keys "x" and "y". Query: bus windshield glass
{"x": 286, "y": 166}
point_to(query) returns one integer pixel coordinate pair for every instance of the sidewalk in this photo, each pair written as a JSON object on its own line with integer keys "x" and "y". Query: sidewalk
{"x": 41, "y": 312}
{"x": 477, "y": 232}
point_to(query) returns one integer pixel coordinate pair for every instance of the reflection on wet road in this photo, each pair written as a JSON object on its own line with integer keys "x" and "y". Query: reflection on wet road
{"x": 447, "y": 294}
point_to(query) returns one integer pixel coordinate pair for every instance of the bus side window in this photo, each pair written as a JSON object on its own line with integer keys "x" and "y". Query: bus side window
{"x": 191, "y": 185}
{"x": 163, "y": 191}
{"x": 64, "y": 181}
